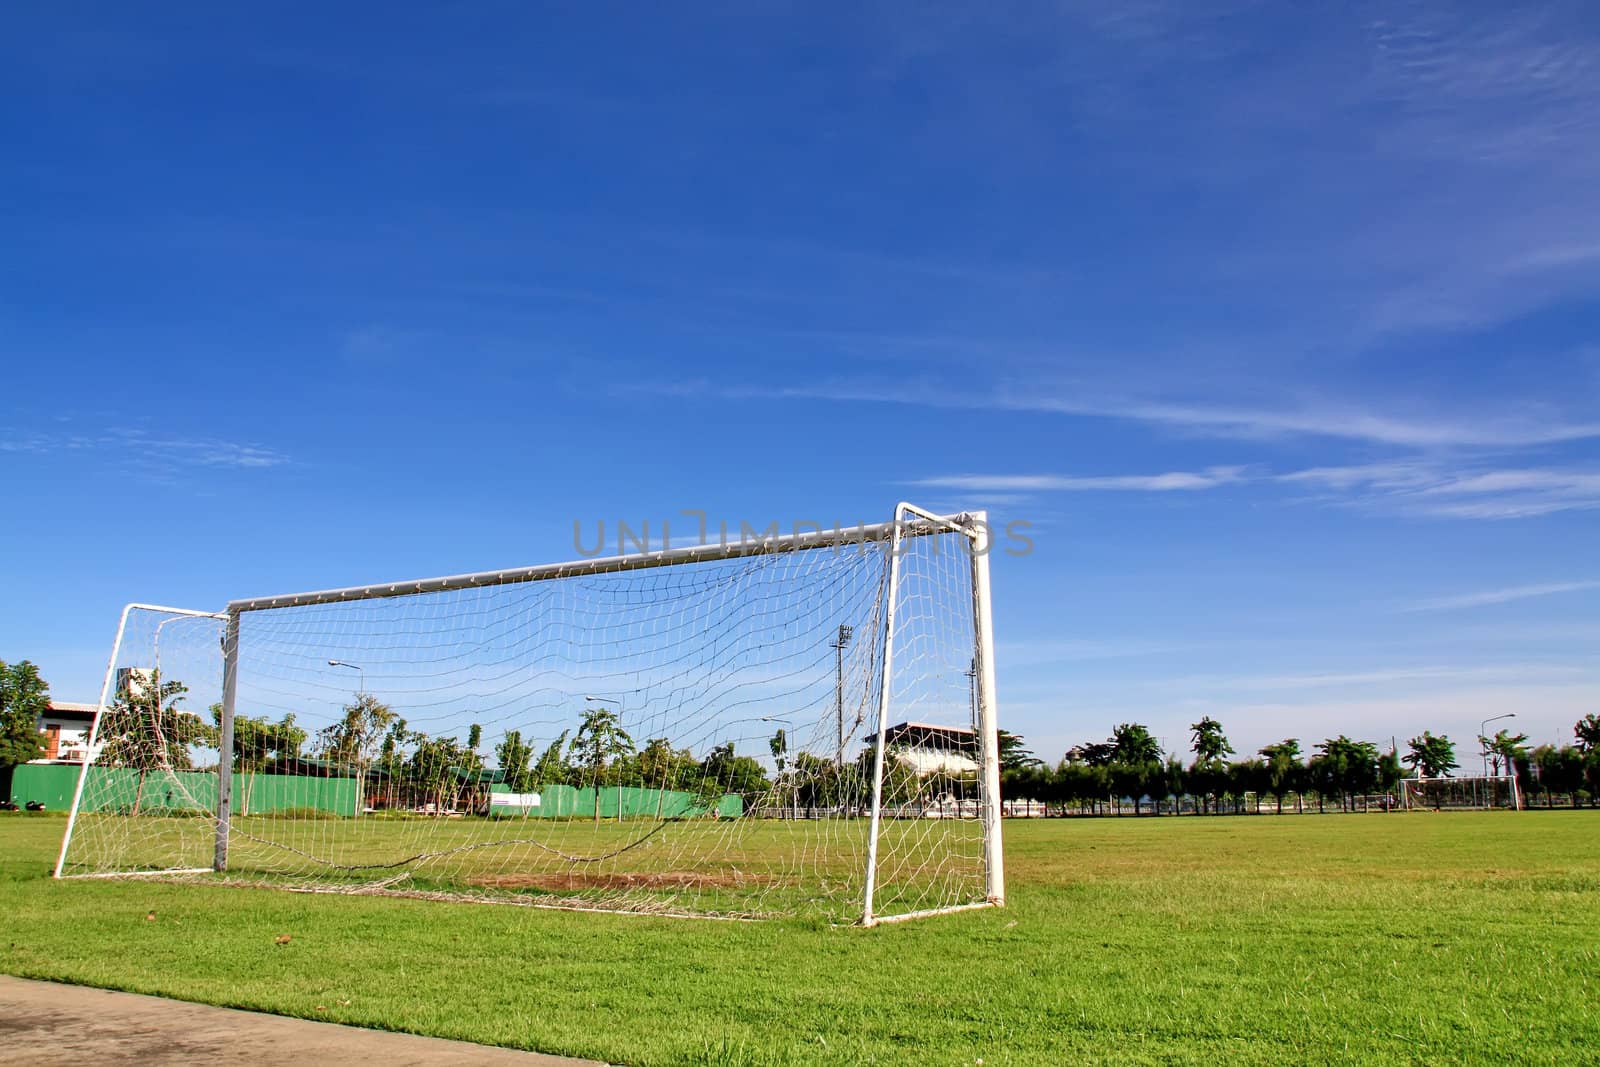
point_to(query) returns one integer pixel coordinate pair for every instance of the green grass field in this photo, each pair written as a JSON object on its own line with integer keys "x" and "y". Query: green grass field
{"x": 1407, "y": 938}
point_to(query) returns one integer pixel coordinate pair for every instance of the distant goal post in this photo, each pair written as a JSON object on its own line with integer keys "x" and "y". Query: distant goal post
{"x": 723, "y": 729}
{"x": 1461, "y": 793}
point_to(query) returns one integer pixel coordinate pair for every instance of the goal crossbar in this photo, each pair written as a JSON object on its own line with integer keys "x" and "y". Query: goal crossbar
{"x": 838, "y": 537}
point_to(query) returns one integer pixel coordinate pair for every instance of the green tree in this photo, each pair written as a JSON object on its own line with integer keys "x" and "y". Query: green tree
{"x": 1174, "y": 781}
{"x": 434, "y": 771}
{"x": 1014, "y": 754}
{"x": 24, "y": 697}
{"x": 1135, "y": 763}
{"x": 1209, "y": 742}
{"x": 1390, "y": 774}
{"x": 1208, "y": 781}
{"x": 355, "y": 739}
{"x": 1587, "y": 732}
{"x": 1127, "y": 780}
{"x": 552, "y": 768}
{"x": 1082, "y": 782}
{"x": 600, "y": 740}
{"x": 1503, "y": 749}
{"x": 257, "y": 743}
{"x": 1093, "y": 753}
{"x": 1132, "y": 744}
{"x": 513, "y": 754}
{"x": 723, "y": 771}
{"x": 1346, "y": 768}
{"x": 1283, "y": 768}
{"x": 147, "y": 730}
{"x": 1430, "y": 756}
{"x": 1246, "y": 777}
{"x": 1508, "y": 753}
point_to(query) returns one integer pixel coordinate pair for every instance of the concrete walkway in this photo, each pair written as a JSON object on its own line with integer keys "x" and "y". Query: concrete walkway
{"x": 45, "y": 1024}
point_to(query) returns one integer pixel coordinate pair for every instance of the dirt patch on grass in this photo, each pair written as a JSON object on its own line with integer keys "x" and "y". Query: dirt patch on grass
{"x": 579, "y": 880}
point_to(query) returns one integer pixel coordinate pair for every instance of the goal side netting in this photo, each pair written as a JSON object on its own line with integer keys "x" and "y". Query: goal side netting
{"x": 1467, "y": 792}
{"x": 799, "y": 725}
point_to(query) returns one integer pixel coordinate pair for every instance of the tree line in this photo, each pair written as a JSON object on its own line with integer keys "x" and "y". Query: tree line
{"x": 1129, "y": 767}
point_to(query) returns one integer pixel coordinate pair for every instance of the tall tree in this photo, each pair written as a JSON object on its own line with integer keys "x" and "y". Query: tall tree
{"x": 513, "y": 754}
{"x": 434, "y": 771}
{"x": 147, "y": 730}
{"x": 1209, "y": 741}
{"x": 1282, "y": 768}
{"x": 1587, "y": 731}
{"x": 551, "y": 768}
{"x": 723, "y": 771}
{"x": 355, "y": 739}
{"x": 1014, "y": 754}
{"x": 1132, "y": 744}
{"x": 1430, "y": 756}
{"x": 1505, "y": 750}
{"x": 600, "y": 740}
{"x": 1390, "y": 775}
{"x": 1092, "y": 753}
{"x": 257, "y": 743}
{"x": 24, "y": 697}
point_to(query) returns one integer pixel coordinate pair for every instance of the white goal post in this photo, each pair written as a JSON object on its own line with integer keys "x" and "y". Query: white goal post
{"x": 1468, "y": 791}
{"x": 782, "y": 725}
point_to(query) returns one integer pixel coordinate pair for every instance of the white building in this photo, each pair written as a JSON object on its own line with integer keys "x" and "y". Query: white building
{"x": 66, "y": 731}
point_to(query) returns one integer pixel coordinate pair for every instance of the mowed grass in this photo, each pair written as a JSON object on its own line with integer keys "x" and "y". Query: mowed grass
{"x": 1404, "y": 938}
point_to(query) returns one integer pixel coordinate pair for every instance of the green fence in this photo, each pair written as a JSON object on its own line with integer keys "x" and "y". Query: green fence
{"x": 116, "y": 788}
{"x": 111, "y": 789}
{"x": 565, "y": 801}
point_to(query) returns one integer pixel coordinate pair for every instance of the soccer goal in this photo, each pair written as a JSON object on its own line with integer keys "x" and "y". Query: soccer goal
{"x": 1464, "y": 793}
{"x": 799, "y": 724}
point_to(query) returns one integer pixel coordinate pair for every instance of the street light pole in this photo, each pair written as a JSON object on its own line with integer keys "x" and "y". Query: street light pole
{"x": 361, "y": 674}
{"x": 1483, "y": 737}
{"x": 361, "y": 770}
{"x": 794, "y": 798}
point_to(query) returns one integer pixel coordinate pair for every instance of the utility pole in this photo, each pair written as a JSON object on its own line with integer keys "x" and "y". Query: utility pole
{"x": 845, "y": 634}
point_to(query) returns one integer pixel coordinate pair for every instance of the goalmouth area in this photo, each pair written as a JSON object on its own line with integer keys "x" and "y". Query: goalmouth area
{"x": 800, "y": 724}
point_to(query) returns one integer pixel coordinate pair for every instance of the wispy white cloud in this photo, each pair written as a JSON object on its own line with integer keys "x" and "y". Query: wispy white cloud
{"x": 1442, "y": 488}
{"x": 1210, "y": 478}
{"x": 1500, "y": 596}
{"x": 1386, "y": 678}
{"x": 1433, "y": 488}
{"x": 1017, "y": 654}
{"x": 1334, "y": 421}
{"x": 142, "y": 447}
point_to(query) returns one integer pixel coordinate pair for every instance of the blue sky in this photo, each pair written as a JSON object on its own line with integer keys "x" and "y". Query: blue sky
{"x": 1277, "y": 324}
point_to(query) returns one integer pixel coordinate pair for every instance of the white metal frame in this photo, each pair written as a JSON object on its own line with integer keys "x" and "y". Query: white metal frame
{"x": 975, "y": 526}
{"x": 1510, "y": 779}
{"x": 91, "y": 746}
{"x": 909, "y": 521}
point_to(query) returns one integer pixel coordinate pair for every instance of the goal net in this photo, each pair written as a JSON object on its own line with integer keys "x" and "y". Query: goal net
{"x": 1463, "y": 793}
{"x": 787, "y": 725}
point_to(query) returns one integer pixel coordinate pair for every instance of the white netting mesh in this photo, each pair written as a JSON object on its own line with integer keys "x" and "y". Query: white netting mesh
{"x": 694, "y": 738}
{"x": 1467, "y": 791}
